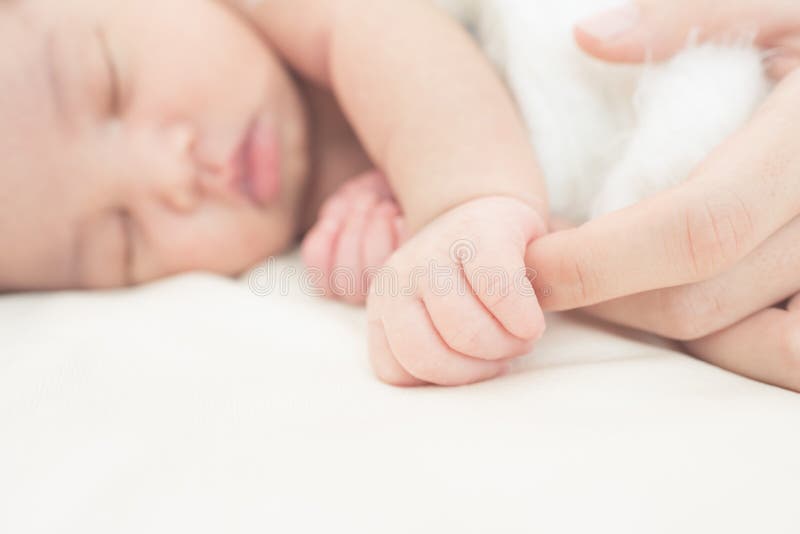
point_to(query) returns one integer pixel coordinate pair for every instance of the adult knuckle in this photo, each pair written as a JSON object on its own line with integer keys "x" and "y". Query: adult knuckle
{"x": 677, "y": 317}
{"x": 715, "y": 234}
{"x": 690, "y": 313}
{"x": 586, "y": 281}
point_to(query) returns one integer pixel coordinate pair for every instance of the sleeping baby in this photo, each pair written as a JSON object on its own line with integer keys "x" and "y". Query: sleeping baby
{"x": 144, "y": 139}
{"x": 141, "y": 140}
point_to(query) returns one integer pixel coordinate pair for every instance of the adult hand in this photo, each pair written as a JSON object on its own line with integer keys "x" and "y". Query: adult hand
{"x": 656, "y": 29}
{"x": 703, "y": 261}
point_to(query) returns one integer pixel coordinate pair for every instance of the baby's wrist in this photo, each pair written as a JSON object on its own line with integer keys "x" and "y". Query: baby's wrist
{"x": 416, "y": 221}
{"x": 538, "y": 206}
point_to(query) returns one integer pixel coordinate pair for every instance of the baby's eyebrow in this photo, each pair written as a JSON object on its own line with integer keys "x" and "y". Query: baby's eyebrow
{"x": 55, "y": 83}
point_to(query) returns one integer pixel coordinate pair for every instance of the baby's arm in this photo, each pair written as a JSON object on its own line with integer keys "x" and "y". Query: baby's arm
{"x": 425, "y": 102}
{"x": 438, "y": 122}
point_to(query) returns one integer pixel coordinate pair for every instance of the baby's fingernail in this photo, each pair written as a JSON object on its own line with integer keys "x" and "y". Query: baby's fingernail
{"x": 609, "y": 25}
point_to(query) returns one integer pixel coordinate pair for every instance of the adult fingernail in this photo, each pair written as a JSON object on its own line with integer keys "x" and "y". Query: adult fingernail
{"x": 609, "y": 25}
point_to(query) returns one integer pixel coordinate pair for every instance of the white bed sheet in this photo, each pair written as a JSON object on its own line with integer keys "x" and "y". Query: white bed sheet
{"x": 195, "y": 406}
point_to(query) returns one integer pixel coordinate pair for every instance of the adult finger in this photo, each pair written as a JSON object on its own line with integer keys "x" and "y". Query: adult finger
{"x": 742, "y": 194}
{"x": 764, "y": 347}
{"x": 767, "y": 276}
{"x": 656, "y": 29}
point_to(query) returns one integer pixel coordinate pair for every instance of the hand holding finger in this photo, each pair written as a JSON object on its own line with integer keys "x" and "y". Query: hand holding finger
{"x": 745, "y": 192}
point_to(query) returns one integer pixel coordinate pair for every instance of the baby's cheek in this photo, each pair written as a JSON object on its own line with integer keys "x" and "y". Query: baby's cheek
{"x": 268, "y": 233}
{"x": 217, "y": 239}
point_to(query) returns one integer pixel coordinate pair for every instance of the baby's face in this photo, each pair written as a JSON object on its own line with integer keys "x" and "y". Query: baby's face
{"x": 141, "y": 139}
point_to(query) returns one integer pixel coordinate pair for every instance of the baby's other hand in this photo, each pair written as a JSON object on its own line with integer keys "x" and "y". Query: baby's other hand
{"x": 455, "y": 304}
{"x": 359, "y": 227}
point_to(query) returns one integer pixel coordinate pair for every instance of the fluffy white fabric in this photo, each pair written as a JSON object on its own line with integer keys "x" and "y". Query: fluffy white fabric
{"x": 606, "y": 136}
{"x": 195, "y": 406}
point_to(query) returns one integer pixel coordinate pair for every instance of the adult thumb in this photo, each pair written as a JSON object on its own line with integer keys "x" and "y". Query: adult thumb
{"x": 656, "y": 29}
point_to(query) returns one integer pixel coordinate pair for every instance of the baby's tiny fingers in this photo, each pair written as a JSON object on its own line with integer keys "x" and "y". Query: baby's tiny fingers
{"x": 377, "y": 182}
{"x": 383, "y": 362}
{"x": 347, "y": 278}
{"x": 380, "y": 239}
{"x": 337, "y": 206}
{"x": 500, "y": 280}
{"x": 467, "y": 327}
{"x": 318, "y": 250}
{"x": 416, "y": 345}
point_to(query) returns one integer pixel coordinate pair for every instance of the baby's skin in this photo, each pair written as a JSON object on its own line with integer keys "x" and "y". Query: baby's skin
{"x": 462, "y": 173}
{"x": 130, "y": 155}
{"x": 358, "y": 229}
{"x": 449, "y": 330}
{"x": 146, "y": 169}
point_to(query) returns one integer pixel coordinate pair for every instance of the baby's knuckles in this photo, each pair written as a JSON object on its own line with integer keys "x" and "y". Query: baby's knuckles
{"x": 486, "y": 219}
{"x": 480, "y": 223}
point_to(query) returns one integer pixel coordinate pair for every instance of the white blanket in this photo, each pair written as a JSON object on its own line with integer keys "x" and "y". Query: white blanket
{"x": 196, "y": 406}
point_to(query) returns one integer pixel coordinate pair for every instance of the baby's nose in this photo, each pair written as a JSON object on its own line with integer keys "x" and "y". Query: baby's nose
{"x": 179, "y": 186}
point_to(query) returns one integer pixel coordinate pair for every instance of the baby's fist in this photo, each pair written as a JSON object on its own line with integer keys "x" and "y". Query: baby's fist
{"x": 455, "y": 304}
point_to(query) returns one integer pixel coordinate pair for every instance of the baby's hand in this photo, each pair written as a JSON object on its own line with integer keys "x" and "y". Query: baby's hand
{"x": 358, "y": 229}
{"x": 455, "y": 303}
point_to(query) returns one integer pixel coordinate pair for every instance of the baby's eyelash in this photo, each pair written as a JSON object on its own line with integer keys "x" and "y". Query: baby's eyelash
{"x": 114, "y": 98}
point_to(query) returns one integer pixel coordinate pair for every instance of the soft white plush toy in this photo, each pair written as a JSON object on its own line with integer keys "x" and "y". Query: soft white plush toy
{"x": 608, "y": 136}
